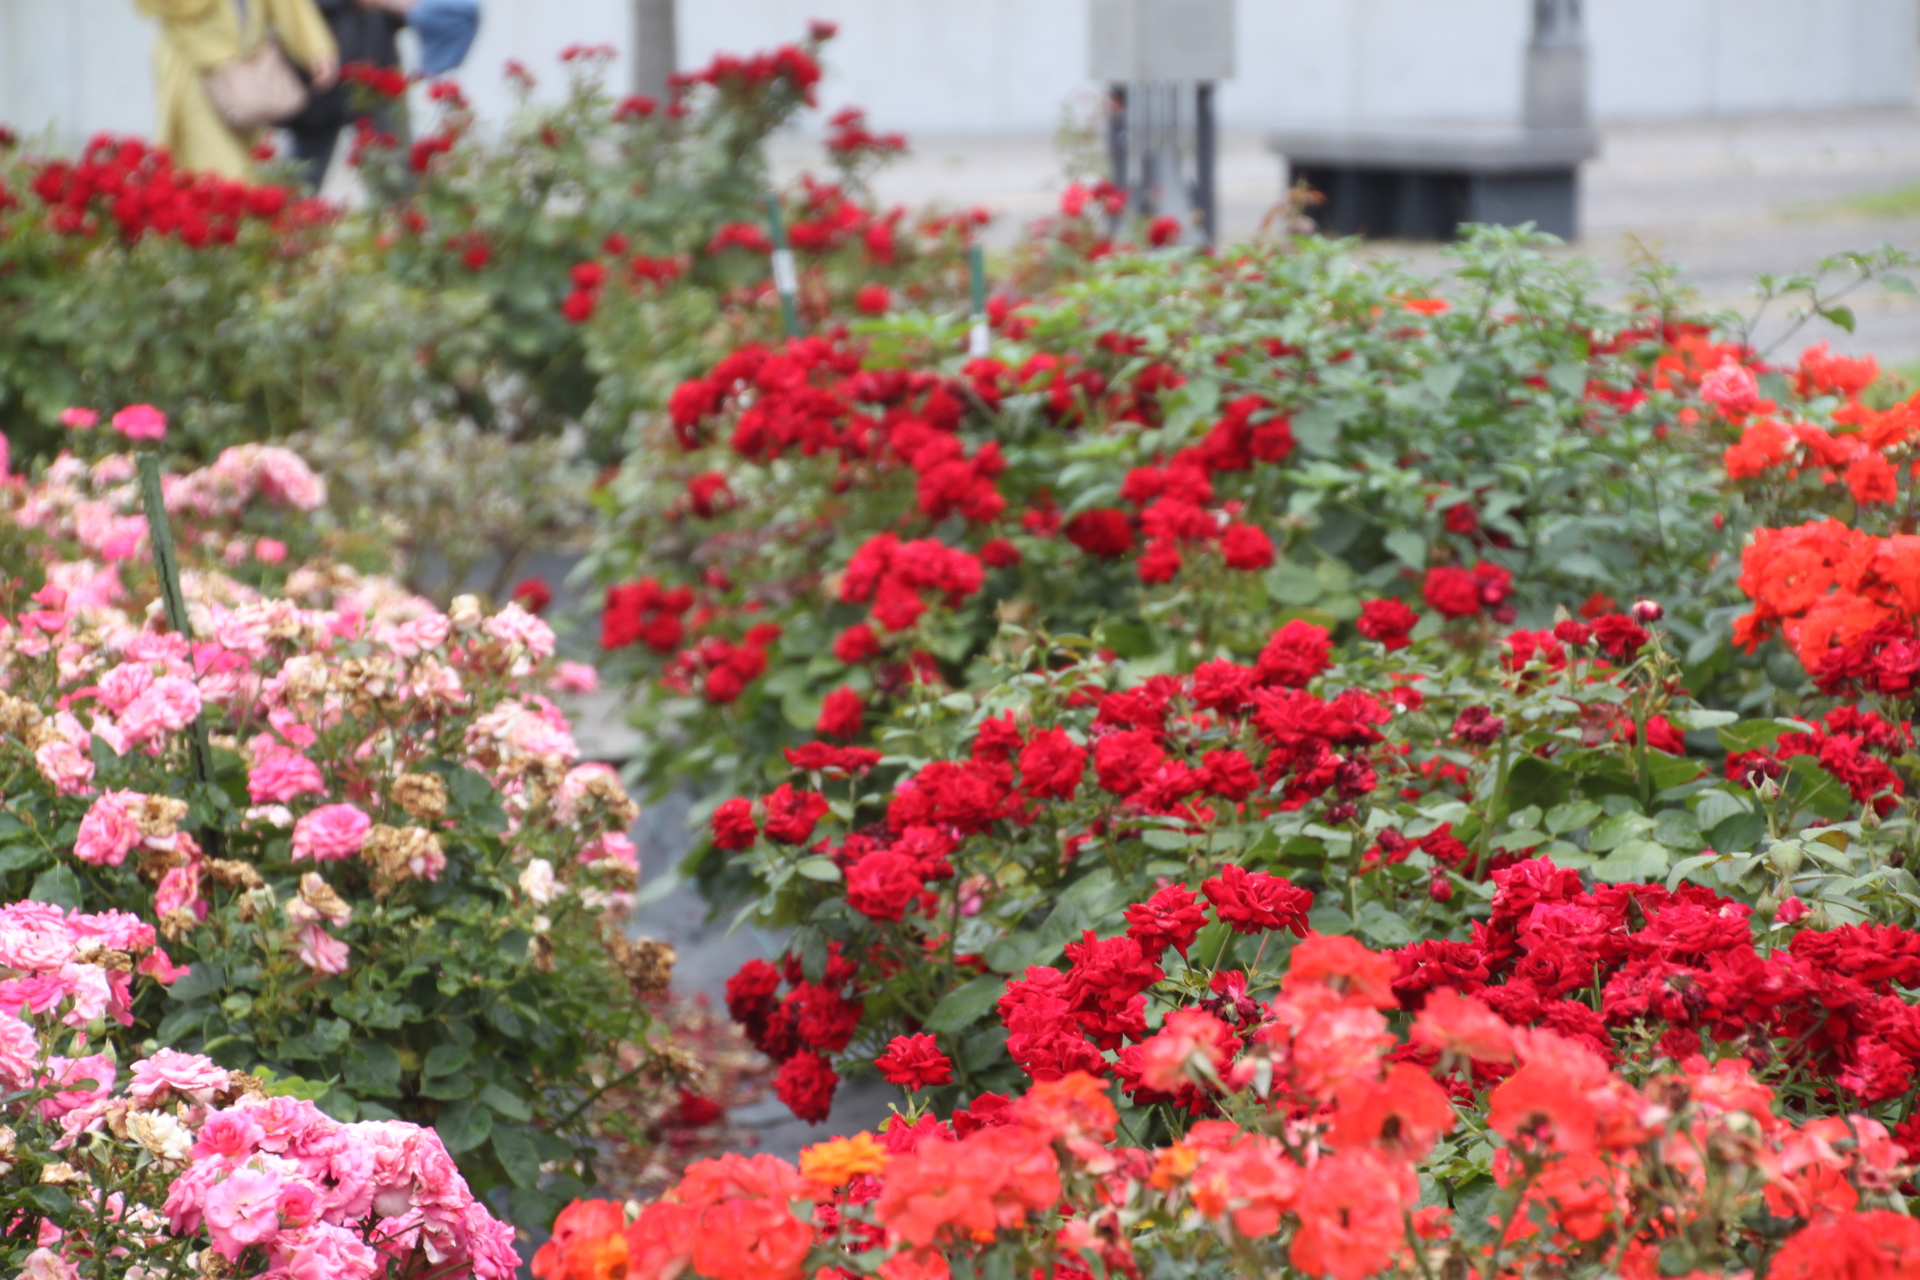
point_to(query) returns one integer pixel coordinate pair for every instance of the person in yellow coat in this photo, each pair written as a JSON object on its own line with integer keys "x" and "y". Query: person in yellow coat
{"x": 198, "y": 35}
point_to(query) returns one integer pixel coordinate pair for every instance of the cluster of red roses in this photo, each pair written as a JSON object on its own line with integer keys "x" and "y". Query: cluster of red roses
{"x": 133, "y": 189}
{"x": 1231, "y": 741}
{"x": 1681, "y": 972}
{"x": 1333, "y": 1101}
{"x": 788, "y": 66}
{"x": 1863, "y": 448}
{"x": 1845, "y": 600}
{"x": 1856, "y": 746}
{"x": 801, "y": 1029}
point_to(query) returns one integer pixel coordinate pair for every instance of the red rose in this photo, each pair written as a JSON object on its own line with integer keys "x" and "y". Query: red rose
{"x": 872, "y": 299}
{"x": 533, "y": 594}
{"x": 1619, "y": 636}
{"x": 1124, "y": 761}
{"x": 751, "y": 994}
{"x": 1452, "y": 591}
{"x": 1246, "y": 547}
{"x": 1159, "y": 562}
{"x": 733, "y": 825}
{"x": 1294, "y": 656}
{"x": 856, "y": 644}
{"x": 1051, "y": 765}
{"x": 805, "y": 1083}
{"x": 914, "y": 1062}
{"x": 791, "y": 814}
{"x": 883, "y": 884}
{"x": 1255, "y": 902}
{"x": 1229, "y": 774}
{"x": 1000, "y": 554}
{"x": 1387, "y": 621}
{"x": 840, "y": 714}
{"x": 1172, "y": 917}
{"x": 1103, "y": 532}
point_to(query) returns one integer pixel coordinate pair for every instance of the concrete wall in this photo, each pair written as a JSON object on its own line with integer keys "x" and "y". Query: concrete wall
{"x": 933, "y": 67}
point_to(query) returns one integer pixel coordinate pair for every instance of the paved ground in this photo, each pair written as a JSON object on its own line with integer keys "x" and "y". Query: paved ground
{"x": 1726, "y": 199}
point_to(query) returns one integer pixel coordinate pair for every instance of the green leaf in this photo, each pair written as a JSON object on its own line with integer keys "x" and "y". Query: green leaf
{"x": 1569, "y": 378}
{"x": 1816, "y": 789}
{"x": 1409, "y": 547}
{"x": 58, "y": 885}
{"x": 1165, "y": 840}
{"x": 821, "y": 869}
{"x": 518, "y": 1155}
{"x": 1842, "y": 316}
{"x": 1670, "y": 771}
{"x": 462, "y": 1126}
{"x": 372, "y": 1067}
{"x": 1700, "y": 718}
{"x": 1751, "y": 735}
{"x": 1634, "y": 860}
{"x": 20, "y": 857}
{"x": 1317, "y": 427}
{"x": 51, "y": 1201}
{"x": 1897, "y": 284}
{"x": 1738, "y": 833}
{"x": 1532, "y": 781}
{"x": 1563, "y": 818}
{"x": 965, "y": 1004}
{"x": 1441, "y": 380}
{"x": 444, "y": 1060}
{"x": 507, "y": 1104}
{"x": 1382, "y": 926}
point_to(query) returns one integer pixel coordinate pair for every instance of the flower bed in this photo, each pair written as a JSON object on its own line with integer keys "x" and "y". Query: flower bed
{"x": 388, "y": 886}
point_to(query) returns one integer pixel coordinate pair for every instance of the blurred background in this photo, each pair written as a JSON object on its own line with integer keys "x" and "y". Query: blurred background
{"x": 1732, "y": 136}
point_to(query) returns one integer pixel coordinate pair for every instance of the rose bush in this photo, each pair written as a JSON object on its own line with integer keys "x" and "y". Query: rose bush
{"x": 563, "y": 274}
{"x": 395, "y": 885}
{"x": 1172, "y": 457}
{"x": 184, "y": 1167}
{"x": 1299, "y": 1123}
{"x": 1388, "y": 792}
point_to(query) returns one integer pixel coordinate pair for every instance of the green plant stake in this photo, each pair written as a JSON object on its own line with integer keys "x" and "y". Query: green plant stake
{"x": 977, "y": 336}
{"x": 786, "y": 281}
{"x": 167, "y": 565}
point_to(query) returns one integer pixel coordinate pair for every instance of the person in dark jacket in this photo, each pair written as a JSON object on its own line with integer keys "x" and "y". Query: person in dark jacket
{"x": 365, "y": 30}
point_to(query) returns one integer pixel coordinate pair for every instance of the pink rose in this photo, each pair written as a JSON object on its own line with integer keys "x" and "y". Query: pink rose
{"x": 167, "y": 706}
{"x": 189, "y": 1075}
{"x": 141, "y": 422}
{"x": 270, "y": 551}
{"x": 574, "y": 677}
{"x": 179, "y": 890}
{"x": 78, "y": 419}
{"x": 108, "y": 832}
{"x": 233, "y": 1134}
{"x": 331, "y": 832}
{"x": 243, "y": 1210}
{"x": 320, "y": 951}
{"x": 67, "y": 761}
{"x": 279, "y": 775}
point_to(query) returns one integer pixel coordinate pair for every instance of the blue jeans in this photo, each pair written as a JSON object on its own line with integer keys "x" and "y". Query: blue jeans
{"x": 446, "y": 29}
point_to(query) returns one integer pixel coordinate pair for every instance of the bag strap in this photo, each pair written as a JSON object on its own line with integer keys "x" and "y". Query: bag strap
{"x": 253, "y": 24}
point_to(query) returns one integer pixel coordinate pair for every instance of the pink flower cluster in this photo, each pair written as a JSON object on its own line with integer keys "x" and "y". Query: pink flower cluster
{"x": 278, "y": 1174}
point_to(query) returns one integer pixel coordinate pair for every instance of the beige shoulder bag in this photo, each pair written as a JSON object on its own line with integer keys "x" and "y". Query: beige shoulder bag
{"x": 258, "y": 89}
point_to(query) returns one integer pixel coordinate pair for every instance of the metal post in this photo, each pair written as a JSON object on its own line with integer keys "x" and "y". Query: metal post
{"x": 1206, "y": 194}
{"x": 1555, "y": 83}
{"x": 786, "y": 280}
{"x": 1118, "y": 139}
{"x": 174, "y": 601}
{"x": 977, "y": 336}
{"x": 656, "y": 47}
